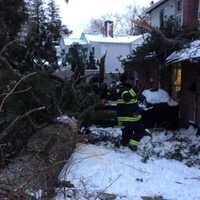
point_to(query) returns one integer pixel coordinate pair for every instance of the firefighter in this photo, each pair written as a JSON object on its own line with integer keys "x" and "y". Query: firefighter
{"x": 128, "y": 114}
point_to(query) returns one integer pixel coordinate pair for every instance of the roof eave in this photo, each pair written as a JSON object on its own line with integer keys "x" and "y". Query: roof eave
{"x": 109, "y": 42}
{"x": 153, "y": 7}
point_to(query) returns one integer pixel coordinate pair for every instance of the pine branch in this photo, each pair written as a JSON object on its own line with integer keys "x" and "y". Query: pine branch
{"x": 147, "y": 27}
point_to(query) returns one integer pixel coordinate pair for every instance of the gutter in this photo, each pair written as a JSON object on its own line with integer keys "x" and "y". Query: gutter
{"x": 155, "y": 5}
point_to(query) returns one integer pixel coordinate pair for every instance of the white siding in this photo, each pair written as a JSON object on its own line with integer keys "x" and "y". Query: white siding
{"x": 62, "y": 45}
{"x": 64, "y": 48}
{"x": 97, "y": 49}
{"x": 169, "y": 10}
{"x": 114, "y": 51}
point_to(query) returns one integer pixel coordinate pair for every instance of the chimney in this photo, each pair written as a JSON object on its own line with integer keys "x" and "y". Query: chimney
{"x": 108, "y": 25}
{"x": 152, "y": 2}
{"x": 190, "y": 10}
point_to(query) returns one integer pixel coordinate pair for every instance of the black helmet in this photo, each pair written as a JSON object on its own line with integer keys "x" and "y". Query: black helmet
{"x": 124, "y": 78}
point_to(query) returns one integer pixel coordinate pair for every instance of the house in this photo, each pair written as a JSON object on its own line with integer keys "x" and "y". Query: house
{"x": 181, "y": 76}
{"x": 186, "y": 13}
{"x": 114, "y": 47}
{"x": 185, "y": 83}
{"x": 184, "y": 66}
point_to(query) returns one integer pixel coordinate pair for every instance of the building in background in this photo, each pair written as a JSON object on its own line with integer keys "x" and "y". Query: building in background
{"x": 182, "y": 75}
{"x": 114, "y": 47}
{"x": 185, "y": 82}
{"x": 184, "y": 12}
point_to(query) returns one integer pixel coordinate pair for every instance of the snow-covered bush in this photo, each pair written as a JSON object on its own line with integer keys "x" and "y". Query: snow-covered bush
{"x": 182, "y": 145}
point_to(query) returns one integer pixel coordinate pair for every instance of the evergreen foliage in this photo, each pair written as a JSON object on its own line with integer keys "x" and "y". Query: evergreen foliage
{"x": 30, "y": 95}
{"x": 54, "y": 22}
{"x": 12, "y": 16}
{"x": 155, "y": 46}
{"x": 41, "y": 52}
{"x": 77, "y": 58}
{"x": 91, "y": 63}
{"x": 170, "y": 28}
{"x": 77, "y": 97}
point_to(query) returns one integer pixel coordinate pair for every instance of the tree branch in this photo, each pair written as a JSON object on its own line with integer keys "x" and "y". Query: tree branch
{"x": 18, "y": 118}
{"x": 9, "y": 66}
{"x": 13, "y": 89}
{"x": 6, "y": 46}
{"x": 17, "y": 92}
{"x": 147, "y": 27}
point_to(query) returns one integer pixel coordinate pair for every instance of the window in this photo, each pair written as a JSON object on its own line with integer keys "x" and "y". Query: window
{"x": 198, "y": 20}
{"x": 176, "y": 82}
{"x": 93, "y": 50}
{"x": 199, "y": 10}
{"x": 179, "y": 21}
{"x": 179, "y": 5}
{"x": 162, "y": 18}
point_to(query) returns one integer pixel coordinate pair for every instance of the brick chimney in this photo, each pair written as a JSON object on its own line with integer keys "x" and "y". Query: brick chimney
{"x": 190, "y": 12}
{"x": 108, "y": 27}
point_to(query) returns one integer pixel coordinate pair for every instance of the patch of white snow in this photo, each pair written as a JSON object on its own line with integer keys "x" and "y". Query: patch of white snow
{"x": 158, "y": 96}
{"x": 96, "y": 169}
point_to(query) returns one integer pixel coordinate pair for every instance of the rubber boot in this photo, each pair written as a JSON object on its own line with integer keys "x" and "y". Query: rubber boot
{"x": 133, "y": 144}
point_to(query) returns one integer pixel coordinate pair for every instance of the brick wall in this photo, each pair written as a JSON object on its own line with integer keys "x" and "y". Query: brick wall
{"x": 190, "y": 10}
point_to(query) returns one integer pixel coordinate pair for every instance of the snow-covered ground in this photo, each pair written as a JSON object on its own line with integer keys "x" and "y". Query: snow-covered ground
{"x": 102, "y": 169}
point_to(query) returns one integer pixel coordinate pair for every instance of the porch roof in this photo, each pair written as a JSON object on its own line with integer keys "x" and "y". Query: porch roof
{"x": 191, "y": 52}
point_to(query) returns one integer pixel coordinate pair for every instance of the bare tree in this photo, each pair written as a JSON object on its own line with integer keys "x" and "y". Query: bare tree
{"x": 96, "y": 26}
{"x": 123, "y": 23}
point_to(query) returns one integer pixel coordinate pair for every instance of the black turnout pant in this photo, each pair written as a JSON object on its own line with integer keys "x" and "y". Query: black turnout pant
{"x": 133, "y": 130}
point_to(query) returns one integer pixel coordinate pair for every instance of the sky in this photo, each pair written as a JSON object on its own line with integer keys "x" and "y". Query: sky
{"x": 78, "y": 13}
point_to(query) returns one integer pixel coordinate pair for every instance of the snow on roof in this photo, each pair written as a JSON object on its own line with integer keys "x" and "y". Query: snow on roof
{"x": 69, "y": 41}
{"x": 140, "y": 40}
{"x": 158, "y": 96}
{"x": 104, "y": 39}
{"x": 155, "y": 5}
{"x": 190, "y": 53}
